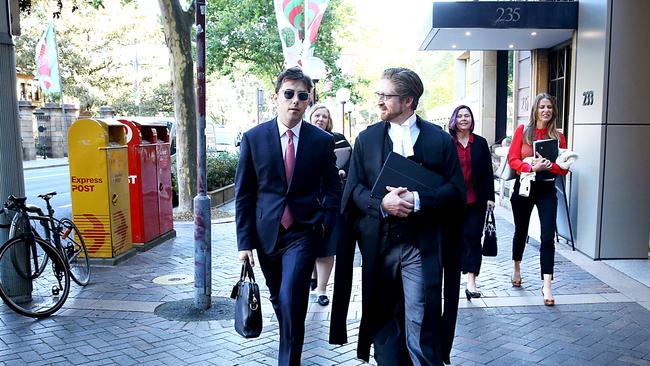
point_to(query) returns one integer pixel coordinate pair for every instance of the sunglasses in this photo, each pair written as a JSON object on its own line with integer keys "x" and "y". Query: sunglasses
{"x": 302, "y": 96}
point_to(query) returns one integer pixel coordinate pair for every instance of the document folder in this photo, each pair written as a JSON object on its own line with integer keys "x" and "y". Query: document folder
{"x": 399, "y": 171}
{"x": 342, "y": 156}
{"x": 548, "y": 149}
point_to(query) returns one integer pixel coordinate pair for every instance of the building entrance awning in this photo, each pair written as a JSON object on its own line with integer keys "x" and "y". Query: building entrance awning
{"x": 500, "y": 25}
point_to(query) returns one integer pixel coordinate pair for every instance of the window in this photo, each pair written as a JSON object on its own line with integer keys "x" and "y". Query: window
{"x": 558, "y": 79}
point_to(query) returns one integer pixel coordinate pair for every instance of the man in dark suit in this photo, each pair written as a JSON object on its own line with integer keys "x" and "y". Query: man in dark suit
{"x": 407, "y": 239}
{"x": 287, "y": 192}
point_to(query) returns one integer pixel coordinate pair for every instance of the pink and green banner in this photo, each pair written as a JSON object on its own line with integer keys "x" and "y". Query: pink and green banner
{"x": 47, "y": 62}
{"x": 297, "y": 36}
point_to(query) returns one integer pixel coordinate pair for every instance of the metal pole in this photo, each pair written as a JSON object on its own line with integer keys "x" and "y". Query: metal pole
{"x": 11, "y": 160}
{"x": 343, "y": 116}
{"x": 202, "y": 228}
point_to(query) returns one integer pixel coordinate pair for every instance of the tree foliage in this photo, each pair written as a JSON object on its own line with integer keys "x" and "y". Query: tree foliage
{"x": 97, "y": 62}
{"x": 243, "y": 39}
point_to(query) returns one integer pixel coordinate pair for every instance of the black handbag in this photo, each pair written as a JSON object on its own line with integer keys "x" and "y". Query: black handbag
{"x": 248, "y": 309}
{"x": 490, "y": 235}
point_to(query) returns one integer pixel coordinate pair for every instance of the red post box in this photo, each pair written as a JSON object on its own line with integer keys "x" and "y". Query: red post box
{"x": 163, "y": 151}
{"x": 143, "y": 183}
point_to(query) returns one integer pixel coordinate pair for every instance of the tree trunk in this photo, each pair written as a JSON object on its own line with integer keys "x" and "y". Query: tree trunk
{"x": 177, "y": 25}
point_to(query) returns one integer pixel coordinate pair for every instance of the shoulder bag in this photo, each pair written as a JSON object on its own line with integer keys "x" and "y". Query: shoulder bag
{"x": 248, "y": 309}
{"x": 505, "y": 172}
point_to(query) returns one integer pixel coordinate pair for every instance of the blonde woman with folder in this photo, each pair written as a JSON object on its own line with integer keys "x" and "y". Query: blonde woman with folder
{"x": 536, "y": 187}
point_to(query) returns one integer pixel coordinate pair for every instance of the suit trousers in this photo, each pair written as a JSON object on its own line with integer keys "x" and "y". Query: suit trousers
{"x": 398, "y": 340}
{"x": 287, "y": 273}
{"x": 472, "y": 231}
{"x": 543, "y": 195}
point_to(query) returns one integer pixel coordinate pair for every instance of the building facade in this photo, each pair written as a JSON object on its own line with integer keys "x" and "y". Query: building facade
{"x": 591, "y": 55}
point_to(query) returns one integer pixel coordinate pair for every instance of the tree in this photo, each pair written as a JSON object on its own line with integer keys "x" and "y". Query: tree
{"x": 177, "y": 26}
{"x": 243, "y": 39}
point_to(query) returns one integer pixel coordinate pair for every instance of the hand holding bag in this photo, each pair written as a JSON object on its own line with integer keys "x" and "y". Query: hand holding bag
{"x": 248, "y": 309}
{"x": 490, "y": 235}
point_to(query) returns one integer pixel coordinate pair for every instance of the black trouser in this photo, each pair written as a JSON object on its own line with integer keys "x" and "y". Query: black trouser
{"x": 472, "y": 232}
{"x": 542, "y": 195}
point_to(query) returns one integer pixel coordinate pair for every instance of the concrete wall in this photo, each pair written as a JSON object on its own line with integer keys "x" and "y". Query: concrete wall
{"x": 482, "y": 95}
{"x": 609, "y": 194}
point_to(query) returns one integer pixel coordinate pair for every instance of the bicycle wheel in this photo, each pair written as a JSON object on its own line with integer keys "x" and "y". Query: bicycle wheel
{"x": 16, "y": 229}
{"x": 74, "y": 250}
{"x": 44, "y": 294}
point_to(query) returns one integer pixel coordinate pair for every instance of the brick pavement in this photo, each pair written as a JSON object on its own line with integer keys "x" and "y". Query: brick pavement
{"x": 111, "y": 321}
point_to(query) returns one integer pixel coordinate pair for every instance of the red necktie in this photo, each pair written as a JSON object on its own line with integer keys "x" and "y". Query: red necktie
{"x": 289, "y": 162}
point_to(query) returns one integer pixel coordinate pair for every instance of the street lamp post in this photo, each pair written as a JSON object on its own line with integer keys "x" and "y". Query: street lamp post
{"x": 343, "y": 96}
{"x": 202, "y": 228}
{"x": 260, "y": 102}
{"x": 314, "y": 67}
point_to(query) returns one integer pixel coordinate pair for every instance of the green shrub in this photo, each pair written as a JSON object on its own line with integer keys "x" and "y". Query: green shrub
{"x": 220, "y": 170}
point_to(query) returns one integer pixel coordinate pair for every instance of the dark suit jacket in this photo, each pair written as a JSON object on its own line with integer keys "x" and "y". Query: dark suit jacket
{"x": 438, "y": 225}
{"x": 482, "y": 173}
{"x": 261, "y": 190}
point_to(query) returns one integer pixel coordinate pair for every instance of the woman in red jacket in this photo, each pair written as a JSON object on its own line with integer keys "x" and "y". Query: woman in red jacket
{"x": 541, "y": 126}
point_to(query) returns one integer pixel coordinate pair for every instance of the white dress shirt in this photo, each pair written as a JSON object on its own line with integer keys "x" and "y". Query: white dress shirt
{"x": 284, "y": 138}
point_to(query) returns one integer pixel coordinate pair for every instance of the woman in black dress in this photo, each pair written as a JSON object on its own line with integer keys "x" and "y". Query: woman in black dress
{"x": 320, "y": 116}
{"x": 476, "y": 163}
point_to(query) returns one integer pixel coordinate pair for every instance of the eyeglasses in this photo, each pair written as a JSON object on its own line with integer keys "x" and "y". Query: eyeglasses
{"x": 382, "y": 96}
{"x": 302, "y": 96}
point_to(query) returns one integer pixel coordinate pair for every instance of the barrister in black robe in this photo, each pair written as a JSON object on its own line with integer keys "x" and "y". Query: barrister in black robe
{"x": 435, "y": 229}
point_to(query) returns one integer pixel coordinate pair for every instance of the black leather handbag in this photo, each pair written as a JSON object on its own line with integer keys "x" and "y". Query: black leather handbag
{"x": 248, "y": 309}
{"x": 490, "y": 235}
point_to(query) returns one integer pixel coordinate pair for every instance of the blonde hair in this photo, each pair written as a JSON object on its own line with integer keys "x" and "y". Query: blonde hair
{"x": 529, "y": 131}
{"x": 330, "y": 123}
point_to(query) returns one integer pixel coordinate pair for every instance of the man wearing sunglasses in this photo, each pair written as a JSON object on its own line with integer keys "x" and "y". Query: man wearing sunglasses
{"x": 287, "y": 193}
{"x": 407, "y": 238}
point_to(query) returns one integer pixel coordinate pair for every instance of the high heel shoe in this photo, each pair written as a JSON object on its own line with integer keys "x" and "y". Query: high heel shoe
{"x": 469, "y": 294}
{"x": 516, "y": 283}
{"x": 547, "y": 302}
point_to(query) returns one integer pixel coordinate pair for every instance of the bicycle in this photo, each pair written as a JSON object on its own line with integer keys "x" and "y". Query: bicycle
{"x": 61, "y": 234}
{"x": 27, "y": 284}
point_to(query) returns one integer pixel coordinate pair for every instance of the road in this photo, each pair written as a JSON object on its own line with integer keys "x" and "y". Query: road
{"x": 39, "y": 181}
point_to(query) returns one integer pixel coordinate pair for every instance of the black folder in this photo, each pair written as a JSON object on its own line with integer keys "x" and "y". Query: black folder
{"x": 548, "y": 149}
{"x": 399, "y": 171}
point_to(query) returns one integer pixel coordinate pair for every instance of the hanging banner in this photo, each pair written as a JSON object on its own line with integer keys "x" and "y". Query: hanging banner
{"x": 315, "y": 12}
{"x": 47, "y": 62}
{"x": 289, "y": 14}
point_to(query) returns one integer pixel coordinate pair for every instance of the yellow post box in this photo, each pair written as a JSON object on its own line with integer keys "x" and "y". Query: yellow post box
{"x": 99, "y": 186}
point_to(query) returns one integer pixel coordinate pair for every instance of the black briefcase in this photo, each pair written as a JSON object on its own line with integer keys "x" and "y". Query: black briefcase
{"x": 248, "y": 309}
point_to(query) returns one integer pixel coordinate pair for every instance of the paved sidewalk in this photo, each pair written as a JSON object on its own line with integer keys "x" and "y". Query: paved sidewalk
{"x": 111, "y": 321}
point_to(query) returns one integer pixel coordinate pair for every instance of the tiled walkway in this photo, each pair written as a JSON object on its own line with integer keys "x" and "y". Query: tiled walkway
{"x": 599, "y": 319}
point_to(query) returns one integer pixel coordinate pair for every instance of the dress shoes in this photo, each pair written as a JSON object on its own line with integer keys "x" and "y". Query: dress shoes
{"x": 547, "y": 302}
{"x": 323, "y": 300}
{"x": 471, "y": 294}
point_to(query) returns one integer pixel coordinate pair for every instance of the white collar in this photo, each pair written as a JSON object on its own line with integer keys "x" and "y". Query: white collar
{"x": 408, "y": 123}
{"x": 283, "y": 129}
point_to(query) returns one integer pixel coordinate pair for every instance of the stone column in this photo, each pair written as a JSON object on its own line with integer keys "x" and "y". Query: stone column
{"x": 106, "y": 112}
{"x": 69, "y": 115}
{"x": 27, "y": 128}
{"x": 56, "y": 129}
